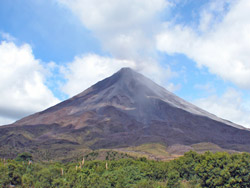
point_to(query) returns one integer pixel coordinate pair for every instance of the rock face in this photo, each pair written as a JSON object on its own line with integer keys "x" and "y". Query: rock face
{"x": 125, "y": 109}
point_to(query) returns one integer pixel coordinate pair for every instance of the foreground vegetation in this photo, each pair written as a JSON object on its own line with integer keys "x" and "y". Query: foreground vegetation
{"x": 191, "y": 170}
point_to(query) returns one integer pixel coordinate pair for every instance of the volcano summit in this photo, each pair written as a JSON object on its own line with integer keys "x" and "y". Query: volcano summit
{"x": 123, "y": 110}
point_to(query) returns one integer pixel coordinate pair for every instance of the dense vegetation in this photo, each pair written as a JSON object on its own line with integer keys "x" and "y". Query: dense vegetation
{"x": 191, "y": 170}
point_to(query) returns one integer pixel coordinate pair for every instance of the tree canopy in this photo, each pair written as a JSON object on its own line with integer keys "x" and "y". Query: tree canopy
{"x": 191, "y": 170}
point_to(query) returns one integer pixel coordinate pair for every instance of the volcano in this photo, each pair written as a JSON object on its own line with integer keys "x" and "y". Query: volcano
{"x": 124, "y": 110}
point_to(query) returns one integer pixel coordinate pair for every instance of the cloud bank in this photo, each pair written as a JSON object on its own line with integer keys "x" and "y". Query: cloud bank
{"x": 22, "y": 83}
{"x": 222, "y": 43}
{"x": 229, "y": 106}
{"x": 125, "y": 28}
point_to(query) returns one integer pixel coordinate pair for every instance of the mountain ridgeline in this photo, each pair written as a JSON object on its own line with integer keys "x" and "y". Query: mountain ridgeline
{"x": 125, "y": 110}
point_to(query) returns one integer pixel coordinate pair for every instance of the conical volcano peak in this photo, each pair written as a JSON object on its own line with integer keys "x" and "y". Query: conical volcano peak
{"x": 127, "y": 72}
{"x": 126, "y": 79}
{"x": 129, "y": 75}
{"x": 125, "y": 109}
{"x": 131, "y": 82}
{"x": 126, "y": 91}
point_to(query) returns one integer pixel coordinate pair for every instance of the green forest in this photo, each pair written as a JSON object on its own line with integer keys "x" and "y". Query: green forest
{"x": 192, "y": 170}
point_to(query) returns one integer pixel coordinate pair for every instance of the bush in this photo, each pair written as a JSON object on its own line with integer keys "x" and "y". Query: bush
{"x": 24, "y": 157}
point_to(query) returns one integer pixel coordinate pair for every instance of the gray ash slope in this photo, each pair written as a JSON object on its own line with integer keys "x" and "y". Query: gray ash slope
{"x": 128, "y": 109}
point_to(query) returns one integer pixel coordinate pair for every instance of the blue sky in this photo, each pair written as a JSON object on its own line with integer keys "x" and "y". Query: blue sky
{"x": 51, "y": 50}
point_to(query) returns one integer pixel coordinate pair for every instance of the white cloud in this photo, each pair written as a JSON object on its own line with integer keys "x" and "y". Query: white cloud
{"x": 21, "y": 83}
{"x": 207, "y": 88}
{"x": 7, "y": 37}
{"x": 125, "y": 28}
{"x": 113, "y": 14}
{"x": 229, "y": 106}
{"x": 88, "y": 69}
{"x": 213, "y": 12}
{"x": 222, "y": 44}
{"x": 172, "y": 87}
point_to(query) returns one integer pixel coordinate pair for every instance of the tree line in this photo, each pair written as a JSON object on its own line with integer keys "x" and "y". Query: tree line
{"x": 192, "y": 170}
